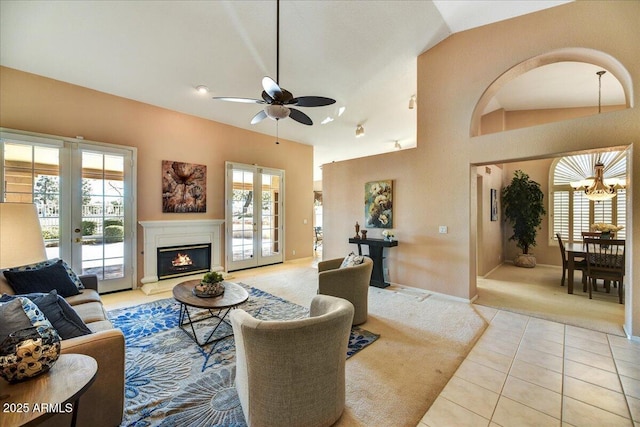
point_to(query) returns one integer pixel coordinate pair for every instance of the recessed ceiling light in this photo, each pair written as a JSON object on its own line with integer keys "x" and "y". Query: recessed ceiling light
{"x": 202, "y": 89}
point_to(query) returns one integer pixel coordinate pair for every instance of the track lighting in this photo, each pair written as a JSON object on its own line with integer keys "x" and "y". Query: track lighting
{"x": 359, "y": 131}
{"x": 412, "y": 102}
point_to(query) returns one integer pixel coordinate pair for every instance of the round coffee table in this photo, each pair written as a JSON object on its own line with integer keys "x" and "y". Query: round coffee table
{"x": 218, "y": 307}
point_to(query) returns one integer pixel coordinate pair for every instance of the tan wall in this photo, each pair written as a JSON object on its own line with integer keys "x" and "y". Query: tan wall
{"x": 499, "y": 120}
{"x": 36, "y": 104}
{"x": 436, "y": 182}
{"x": 490, "y": 253}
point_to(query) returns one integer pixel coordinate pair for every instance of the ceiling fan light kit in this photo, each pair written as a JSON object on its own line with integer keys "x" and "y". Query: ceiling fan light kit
{"x": 279, "y": 100}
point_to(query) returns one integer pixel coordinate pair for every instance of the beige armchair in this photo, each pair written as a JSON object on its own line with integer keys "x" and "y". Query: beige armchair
{"x": 350, "y": 283}
{"x": 292, "y": 373}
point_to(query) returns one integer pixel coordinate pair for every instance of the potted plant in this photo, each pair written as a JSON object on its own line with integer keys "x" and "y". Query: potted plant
{"x": 522, "y": 201}
{"x": 210, "y": 285}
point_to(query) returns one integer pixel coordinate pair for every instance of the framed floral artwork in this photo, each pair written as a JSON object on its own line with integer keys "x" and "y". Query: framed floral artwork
{"x": 378, "y": 204}
{"x": 184, "y": 187}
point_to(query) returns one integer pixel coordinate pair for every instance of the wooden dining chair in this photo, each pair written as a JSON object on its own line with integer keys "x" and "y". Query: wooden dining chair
{"x": 579, "y": 265}
{"x": 605, "y": 260}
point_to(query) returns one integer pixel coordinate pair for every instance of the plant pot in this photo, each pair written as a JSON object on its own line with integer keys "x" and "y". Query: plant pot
{"x": 525, "y": 260}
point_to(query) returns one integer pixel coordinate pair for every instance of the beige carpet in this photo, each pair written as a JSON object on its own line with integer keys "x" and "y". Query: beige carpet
{"x": 423, "y": 340}
{"x": 537, "y": 292}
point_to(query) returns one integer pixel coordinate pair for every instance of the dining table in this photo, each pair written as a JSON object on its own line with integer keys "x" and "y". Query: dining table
{"x": 574, "y": 250}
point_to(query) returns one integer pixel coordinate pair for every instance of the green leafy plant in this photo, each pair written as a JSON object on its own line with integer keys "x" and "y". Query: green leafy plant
{"x": 113, "y": 234}
{"x": 89, "y": 228}
{"x": 522, "y": 201}
{"x": 212, "y": 277}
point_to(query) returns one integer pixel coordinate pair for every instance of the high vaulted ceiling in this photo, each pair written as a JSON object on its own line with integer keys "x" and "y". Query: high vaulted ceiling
{"x": 361, "y": 53}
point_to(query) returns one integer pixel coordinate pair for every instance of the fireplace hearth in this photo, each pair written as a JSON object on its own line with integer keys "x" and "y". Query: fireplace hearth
{"x": 176, "y": 261}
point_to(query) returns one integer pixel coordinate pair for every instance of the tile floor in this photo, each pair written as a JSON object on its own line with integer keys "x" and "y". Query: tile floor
{"x": 526, "y": 371}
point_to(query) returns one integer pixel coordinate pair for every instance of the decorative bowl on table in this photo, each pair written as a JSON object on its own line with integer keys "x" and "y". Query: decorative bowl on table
{"x": 28, "y": 352}
{"x": 210, "y": 286}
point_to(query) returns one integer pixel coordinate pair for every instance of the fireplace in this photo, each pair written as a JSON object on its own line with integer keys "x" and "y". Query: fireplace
{"x": 176, "y": 261}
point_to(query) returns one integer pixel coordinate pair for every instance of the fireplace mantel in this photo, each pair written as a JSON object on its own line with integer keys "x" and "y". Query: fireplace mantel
{"x": 158, "y": 234}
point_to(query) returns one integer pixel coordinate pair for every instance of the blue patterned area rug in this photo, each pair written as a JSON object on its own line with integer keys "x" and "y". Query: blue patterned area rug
{"x": 171, "y": 381}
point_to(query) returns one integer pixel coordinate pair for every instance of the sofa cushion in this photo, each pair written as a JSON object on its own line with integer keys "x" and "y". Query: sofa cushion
{"x": 91, "y": 312}
{"x": 43, "y": 279}
{"x": 85, "y": 295}
{"x": 63, "y": 318}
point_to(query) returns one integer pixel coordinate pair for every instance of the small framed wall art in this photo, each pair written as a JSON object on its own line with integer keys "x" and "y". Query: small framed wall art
{"x": 494, "y": 204}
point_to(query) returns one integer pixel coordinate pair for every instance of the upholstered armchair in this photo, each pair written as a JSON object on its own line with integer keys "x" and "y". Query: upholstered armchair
{"x": 292, "y": 373}
{"x": 350, "y": 283}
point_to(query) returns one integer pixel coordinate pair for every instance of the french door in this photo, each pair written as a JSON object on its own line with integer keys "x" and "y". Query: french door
{"x": 254, "y": 216}
{"x": 84, "y": 195}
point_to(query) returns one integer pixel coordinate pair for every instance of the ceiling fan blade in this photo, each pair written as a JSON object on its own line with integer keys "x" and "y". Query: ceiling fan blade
{"x": 267, "y": 98}
{"x": 271, "y": 87}
{"x": 259, "y": 117}
{"x": 300, "y": 117}
{"x": 312, "y": 101}
{"x": 243, "y": 100}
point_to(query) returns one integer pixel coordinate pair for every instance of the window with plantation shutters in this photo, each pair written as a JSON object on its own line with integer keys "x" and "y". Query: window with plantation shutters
{"x": 571, "y": 211}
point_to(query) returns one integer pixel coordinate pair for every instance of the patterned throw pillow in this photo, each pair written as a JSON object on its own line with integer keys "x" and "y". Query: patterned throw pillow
{"x": 48, "y": 263}
{"x": 352, "y": 260}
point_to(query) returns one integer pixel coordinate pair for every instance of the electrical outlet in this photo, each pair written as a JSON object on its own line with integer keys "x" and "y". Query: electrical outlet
{"x": 443, "y": 229}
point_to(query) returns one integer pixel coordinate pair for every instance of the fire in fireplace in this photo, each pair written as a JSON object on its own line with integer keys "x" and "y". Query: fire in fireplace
{"x": 179, "y": 261}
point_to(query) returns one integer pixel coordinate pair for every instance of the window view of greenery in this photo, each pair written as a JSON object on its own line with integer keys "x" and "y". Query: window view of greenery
{"x": 571, "y": 211}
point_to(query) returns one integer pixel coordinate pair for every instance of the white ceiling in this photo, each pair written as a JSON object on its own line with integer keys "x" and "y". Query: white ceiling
{"x": 361, "y": 53}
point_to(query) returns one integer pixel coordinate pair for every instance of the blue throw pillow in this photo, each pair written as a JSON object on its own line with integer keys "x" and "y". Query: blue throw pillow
{"x": 61, "y": 315}
{"x": 44, "y": 279}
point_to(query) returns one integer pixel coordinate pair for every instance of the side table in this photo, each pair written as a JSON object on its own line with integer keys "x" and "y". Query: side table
{"x": 376, "y": 248}
{"x": 32, "y": 401}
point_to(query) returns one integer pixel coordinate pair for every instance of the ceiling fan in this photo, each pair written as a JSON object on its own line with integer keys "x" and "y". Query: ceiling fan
{"x": 279, "y": 101}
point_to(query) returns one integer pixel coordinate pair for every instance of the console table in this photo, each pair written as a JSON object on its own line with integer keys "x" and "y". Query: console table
{"x": 376, "y": 248}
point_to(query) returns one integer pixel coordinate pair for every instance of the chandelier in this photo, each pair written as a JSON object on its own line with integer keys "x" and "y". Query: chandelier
{"x": 598, "y": 188}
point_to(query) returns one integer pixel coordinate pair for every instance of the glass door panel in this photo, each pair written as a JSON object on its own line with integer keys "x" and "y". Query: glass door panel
{"x": 254, "y": 236}
{"x": 270, "y": 221}
{"x": 103, "y": 216}
{"x": 32, "y": 175}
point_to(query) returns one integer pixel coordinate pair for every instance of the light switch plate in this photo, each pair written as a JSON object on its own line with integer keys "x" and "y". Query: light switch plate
{"x": 443, "y": 229}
